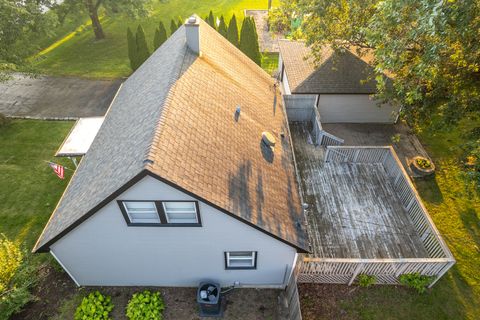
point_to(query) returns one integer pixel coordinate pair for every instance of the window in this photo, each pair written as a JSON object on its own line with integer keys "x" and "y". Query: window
{"x": 142, "y": 212}
{"x": 241, "y": 260}
{"x": 180, "y": 212}
{"x": 161, "y": 213}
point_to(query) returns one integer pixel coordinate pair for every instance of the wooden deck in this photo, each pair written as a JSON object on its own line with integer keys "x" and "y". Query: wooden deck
{"x": 354, "y": 211}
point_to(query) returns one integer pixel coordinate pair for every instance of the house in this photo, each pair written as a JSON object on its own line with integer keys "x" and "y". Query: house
{"x": 342, "y": 83}
{"x": 190, "y": 177}
{"x": 202, "y": 169}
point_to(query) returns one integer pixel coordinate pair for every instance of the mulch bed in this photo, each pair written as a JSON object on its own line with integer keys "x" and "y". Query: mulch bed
{"x": 53, "y": 288}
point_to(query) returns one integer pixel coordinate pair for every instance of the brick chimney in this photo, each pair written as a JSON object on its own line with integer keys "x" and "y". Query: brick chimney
{"x": 192, "y": 33}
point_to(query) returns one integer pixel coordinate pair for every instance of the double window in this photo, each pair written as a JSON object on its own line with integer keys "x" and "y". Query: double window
{"x": 160, "y": 213}
{"x": 240, "y": 260}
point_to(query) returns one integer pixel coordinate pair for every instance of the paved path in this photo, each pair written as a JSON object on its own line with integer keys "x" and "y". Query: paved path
{"x": 56, "y": 97}
{"x": 265, "y": 40}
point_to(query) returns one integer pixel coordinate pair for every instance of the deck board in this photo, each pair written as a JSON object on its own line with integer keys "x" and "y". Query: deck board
{"x": 354, "y": 211}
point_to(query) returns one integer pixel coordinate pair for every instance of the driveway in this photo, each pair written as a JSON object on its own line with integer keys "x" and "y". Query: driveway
{"x": 56, "y": 97}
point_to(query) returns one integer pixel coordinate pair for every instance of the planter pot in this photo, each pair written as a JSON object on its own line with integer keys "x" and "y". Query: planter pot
{"x": 424, "y": 172}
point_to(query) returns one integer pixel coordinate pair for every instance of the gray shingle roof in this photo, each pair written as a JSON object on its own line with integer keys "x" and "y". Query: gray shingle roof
{"x": 336, "y": 72}
{"x": 177, "y": 112}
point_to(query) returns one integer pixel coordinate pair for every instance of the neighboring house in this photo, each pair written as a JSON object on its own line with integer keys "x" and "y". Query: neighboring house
{"x": 178, "y": 185}
{"x": 341, "y": 81}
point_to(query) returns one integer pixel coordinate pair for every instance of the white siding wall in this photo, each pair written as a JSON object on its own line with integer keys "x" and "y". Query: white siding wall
{"x": 354, "y": 108}
{"x": 103, "y": 250}
{"x": 286, "y": 86}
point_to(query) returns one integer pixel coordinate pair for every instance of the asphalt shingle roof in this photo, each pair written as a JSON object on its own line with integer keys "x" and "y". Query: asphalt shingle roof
{"x": 337, "y": 72}
{"x": 175, "y": 117}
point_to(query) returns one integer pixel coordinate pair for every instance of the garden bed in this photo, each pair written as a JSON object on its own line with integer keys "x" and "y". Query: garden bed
{"x": 58, "y": 297}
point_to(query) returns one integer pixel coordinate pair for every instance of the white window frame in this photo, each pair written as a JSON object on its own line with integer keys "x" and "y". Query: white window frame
{"x": 195, "y": 212}
{"x": 253, "y": 257}
{"x": 124, "y": 203}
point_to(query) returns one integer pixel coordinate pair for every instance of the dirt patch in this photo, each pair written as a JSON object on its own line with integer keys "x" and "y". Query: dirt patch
{"x": 53, "y": 288}
{"x": 321, "y": 301}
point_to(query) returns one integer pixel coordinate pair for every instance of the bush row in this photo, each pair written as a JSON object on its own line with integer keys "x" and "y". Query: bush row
{"x": 144, "y": 305}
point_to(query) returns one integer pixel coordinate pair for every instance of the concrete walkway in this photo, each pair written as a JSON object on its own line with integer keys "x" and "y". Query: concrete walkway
{"x": 56, "y": 97}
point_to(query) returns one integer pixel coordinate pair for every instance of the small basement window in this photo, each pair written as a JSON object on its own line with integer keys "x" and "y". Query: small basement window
{"x": 181, "y": 212}
{"x": 142, "y": 212}
{"x": 241, "y": 260}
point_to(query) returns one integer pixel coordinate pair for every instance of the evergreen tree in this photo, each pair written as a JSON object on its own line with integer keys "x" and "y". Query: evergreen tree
{"x": 232, "y": 32}
{"x": 245, "y": 38}
{"x": 249, "y": 40}
{"x": 162, "y": 33}
{"x": 142, "y": 47}
{"x": 173, "y": 27}
{"x": 257, "y": 57}
{"x": 211, "y": 20}
{"x": 132, "y": 49}
{"x": 222, "y": 27}
{"x": 180, "y": 22}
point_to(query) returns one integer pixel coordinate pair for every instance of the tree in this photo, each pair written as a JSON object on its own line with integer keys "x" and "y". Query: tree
{"x": 232, "y": 32}
{"x": 211, "y": 20}
{"x": 132, "y": 49}
{"x": 160, "y": 36}
{"x": 142, "y": 47}
{"x": 21, "y": 23}
{"x": 180, "y": 22}
{"x": 248, "y": 42}
{"x": 222, "y": 27}
{"x": 431, "y": 48}
{"x": 257, "y": 57}
{"x": 173, "y": 27}
{"x": 132, "y": 8}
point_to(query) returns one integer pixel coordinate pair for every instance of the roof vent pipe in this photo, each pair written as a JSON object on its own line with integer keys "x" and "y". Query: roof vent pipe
{"x": 192, "y": 34}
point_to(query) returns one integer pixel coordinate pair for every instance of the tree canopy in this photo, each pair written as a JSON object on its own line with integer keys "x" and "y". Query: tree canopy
{"x": 173, "y": 26}
{"x": 142, "y": 48}
{"x": 21, "y": 22}
{"x": 430, "y": 47}
{"x": 211, "y": 20}
{"x": 132, "y": 8}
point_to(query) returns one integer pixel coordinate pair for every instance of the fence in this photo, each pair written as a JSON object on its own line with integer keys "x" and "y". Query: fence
{"x": 386, "y": 271}
{"x": 292, "y": 296}
{"x": 301, "y": 108}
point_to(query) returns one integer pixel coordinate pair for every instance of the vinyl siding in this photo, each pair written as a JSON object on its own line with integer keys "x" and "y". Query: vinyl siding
{"x": 103, "y": 250}
{"x": 354, "y": 108}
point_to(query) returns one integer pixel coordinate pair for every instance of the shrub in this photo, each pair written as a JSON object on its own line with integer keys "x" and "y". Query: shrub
{"x": 211, "y": 20}
{"x": 132, "y": 49}
{"x": 365, "y": 280}
{"x": 94, "y": 306}
{"x": 145, "y": 306}
{"x": 416, "y": 281}
{"x": 17, "y": 276}
{"x": 3, "y": 120}
{"x": 173, "y": 26}
{"x": 160, "y": 36}
{"x": 222, "y": 27}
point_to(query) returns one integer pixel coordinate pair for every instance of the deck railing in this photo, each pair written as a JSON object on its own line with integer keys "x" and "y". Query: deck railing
{"x": 386, "y": 271}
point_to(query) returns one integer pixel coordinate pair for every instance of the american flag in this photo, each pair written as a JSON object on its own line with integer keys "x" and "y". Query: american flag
{"x": 58, "y": 169}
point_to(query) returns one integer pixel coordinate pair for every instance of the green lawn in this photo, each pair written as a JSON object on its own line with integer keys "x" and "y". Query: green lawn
{"x": 29, "y": 188}
{"x": 454, "y": 206}
{"x": 270, "y": 62}
{"x": 78, "y": 53}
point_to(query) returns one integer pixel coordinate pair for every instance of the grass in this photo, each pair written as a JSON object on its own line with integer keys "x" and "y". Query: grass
{"x": 270, "y": 62}
{"x": 454, "y": 205}
{"x": 77, "y": 53}
{"x": 30, "y": 189}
